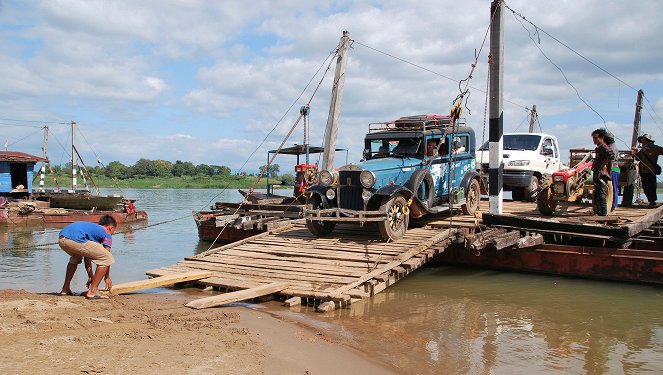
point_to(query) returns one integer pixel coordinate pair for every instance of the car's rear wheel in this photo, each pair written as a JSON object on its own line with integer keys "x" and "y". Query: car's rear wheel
{"x": 318, "y": 228}
{"x": 394, "y": 226}
{"x": 472, "y": 198}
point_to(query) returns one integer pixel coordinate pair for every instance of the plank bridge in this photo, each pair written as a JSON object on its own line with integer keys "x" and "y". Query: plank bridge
{"x": 350, "y": 264}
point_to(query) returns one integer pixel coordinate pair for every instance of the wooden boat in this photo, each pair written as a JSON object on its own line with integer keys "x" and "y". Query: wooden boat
{"x": 81, "y": 200}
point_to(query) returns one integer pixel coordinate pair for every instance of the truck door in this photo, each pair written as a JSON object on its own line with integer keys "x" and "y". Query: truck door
{"x": 549, "y": 151}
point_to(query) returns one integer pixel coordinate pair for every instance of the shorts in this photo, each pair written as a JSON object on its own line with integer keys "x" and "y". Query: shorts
{"x": 90, "y": 249}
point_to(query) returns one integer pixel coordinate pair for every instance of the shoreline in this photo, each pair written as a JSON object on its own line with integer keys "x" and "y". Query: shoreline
{"x": 146, "y": 332}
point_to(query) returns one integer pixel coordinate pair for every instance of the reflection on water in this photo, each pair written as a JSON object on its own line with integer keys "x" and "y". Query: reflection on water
{"x": 446, "y": 320}
{"x": 436, "y": 321}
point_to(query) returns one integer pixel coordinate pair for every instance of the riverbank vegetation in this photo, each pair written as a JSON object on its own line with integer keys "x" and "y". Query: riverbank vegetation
{"x": 147, "y": 173}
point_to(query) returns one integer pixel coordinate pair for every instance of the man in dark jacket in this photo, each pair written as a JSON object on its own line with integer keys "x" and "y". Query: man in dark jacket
{"x": 601, "y": 167}
{"x": 649, "y": 168}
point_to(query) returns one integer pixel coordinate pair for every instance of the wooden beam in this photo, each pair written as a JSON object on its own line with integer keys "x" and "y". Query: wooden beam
{"x": 240, "y": 295}
{"x": 399, "y": 261}
{"x": 133, "y": 286}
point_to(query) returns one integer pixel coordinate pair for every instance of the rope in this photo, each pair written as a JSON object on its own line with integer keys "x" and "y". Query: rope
{"x": 128, "y": 230}
{"x": 332, "y": 53}
{"x": 278, "y": 150}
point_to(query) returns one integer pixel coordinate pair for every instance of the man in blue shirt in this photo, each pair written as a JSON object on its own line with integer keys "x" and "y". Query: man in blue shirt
{"x": 92, "y": 242}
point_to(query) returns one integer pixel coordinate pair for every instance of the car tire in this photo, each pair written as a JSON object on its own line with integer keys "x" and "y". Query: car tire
{"x": 317, "y": 227}
{"x": 517, "y": 194}
{"x": 472, "y": 198}
{"x": 532, "y": 190}
{"x": 394, "y": 226}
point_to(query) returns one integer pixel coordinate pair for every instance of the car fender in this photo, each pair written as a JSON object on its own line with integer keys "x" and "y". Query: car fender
{"x": 469, "y": 176}
{"x": 321, "y": 190}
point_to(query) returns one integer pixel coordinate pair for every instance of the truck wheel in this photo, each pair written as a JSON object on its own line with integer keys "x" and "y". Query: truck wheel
{"x": 472, "y": 198}
{"x": 317, "y": 227}
{"x": 545, "y": 201}
{"x": 517, "y": 194}
{"x": 394, "y": 226}
{"x": 421, "y": 185}
{"x": 531, "y": 191}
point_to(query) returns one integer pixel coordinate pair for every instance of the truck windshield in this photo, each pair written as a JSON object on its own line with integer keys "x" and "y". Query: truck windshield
{"x": 525, "y": 142}
{"x": 381, "y": 148}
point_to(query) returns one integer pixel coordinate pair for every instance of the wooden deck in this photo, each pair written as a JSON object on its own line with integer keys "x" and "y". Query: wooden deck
{"x": 570, "y": 219}
{"x": 350, "y": 264}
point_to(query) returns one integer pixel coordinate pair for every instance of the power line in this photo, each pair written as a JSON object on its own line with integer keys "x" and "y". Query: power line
{"x": 557, "y": 66}
{"x": 431, "y": 71}
{"x": 537, "y": 28}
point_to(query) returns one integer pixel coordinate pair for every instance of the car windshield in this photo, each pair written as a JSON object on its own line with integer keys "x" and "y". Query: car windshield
{"x": 381, "y": 148}
{"x": 524, "y": 142}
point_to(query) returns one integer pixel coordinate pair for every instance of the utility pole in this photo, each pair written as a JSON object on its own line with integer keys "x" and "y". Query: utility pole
{"x": 532, "y": 119}
{"x": 335, "y": 106}
{"x": 42, "y": 172}
{"x": 73, "y": 157}
{"x": 636, "y": 120}
{"x": 496, "y": 119}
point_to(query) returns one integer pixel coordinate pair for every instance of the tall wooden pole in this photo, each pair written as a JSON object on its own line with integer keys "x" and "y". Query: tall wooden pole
{"x": 73, "y": 156}
{"x": 496, "y": 119}
{"x": 636, "y": 120}
{"x": 532, "y": 119}
{"x": 335, "y": 106}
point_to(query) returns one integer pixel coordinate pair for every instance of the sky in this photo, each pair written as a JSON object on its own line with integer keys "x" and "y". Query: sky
{"x": 221, "y": 82}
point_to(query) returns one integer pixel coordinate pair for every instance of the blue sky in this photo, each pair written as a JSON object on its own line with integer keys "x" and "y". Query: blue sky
{"x": 208, "y": 81}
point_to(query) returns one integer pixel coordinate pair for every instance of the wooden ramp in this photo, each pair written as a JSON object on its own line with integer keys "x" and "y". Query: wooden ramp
{"x": 349, "y": 264}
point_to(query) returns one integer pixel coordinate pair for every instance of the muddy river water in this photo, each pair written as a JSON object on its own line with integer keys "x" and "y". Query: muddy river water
{"x": 439, "y": 320}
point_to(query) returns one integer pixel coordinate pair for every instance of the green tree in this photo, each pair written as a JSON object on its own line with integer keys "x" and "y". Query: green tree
{"x": 204, "y": 169}
{"x": 181, "y": 168}
{"x": 287, "y": 179}
{"x": 271, "y": 171}
{"x": 222, "y": 170}
{"x": 115, "y": 169}
{"x": 163, "y": 168}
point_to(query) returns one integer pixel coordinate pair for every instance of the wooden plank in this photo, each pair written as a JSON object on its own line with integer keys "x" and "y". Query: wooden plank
{"x": 241, "y": 295}
{"x": 649, "y": 219}
{"x": 402, "y": 258}
{"x": 133, "y": 286}
{"x": 530, "y": 223}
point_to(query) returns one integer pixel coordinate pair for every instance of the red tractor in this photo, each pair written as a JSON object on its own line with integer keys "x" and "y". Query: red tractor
{"x": 305, "y": 176}
{"x": 570, "y": 185}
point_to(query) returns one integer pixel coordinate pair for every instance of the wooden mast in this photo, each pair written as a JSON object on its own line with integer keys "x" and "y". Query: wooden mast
{"x": 73, "y": 156}
{"x": 335, "y": 106}
{"x": 496, "y": 120}
{"x": 636, "y": 120}
{"x": 532, "y": 119}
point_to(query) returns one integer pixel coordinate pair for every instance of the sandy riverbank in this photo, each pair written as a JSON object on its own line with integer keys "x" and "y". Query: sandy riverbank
{"x": 153, "y": 333}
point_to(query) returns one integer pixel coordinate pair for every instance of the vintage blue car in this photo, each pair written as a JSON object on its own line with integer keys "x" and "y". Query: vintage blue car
{"x": 411, "y": 167}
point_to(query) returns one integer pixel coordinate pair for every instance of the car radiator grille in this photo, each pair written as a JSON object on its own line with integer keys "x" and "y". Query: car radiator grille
{"x": 350, "y": 190}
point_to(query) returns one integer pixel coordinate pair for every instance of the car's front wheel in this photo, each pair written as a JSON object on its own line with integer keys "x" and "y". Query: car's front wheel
{"x": 394, "y": 226}
{"x": 318, "y": 228}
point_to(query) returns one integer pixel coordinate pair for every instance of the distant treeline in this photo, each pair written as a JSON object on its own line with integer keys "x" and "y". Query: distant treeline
{"x": 163, "y": 173}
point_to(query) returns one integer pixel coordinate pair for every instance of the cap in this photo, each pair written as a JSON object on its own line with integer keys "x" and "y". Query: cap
{"x": 645, "y": 136}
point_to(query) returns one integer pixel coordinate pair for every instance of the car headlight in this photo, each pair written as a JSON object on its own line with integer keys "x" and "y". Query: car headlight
{"x": 326, "y": 178}
{"x": 519, "y": 163}
{"x": 366, "y": 194}
{"x": 367, "y": 178}
{"x": 330, "y": 194}
{"x": 558, "y": 178}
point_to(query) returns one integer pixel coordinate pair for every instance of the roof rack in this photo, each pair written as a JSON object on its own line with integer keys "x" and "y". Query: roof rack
{"x": 419, "y": 122}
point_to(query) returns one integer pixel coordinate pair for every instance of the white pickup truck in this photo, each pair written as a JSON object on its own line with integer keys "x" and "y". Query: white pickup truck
{"x": 529, "y": 159}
